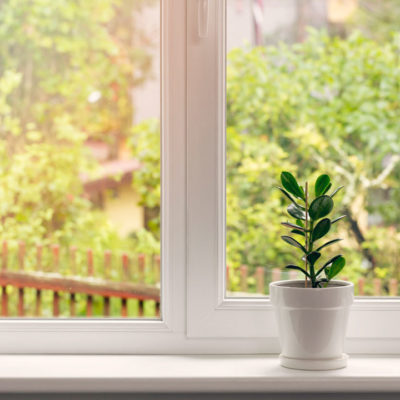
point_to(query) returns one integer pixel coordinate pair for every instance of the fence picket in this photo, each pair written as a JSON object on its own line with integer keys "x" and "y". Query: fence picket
{"x": 89, "y": 301}
{"x": 377, "y": 285}
{"x": 21, "y": 264}
{"x": 361, "y": 285}
{"x": 125, "y": 267}
{"x": 260, "y": 280}
{"x": 107, "y": 267}
{"x": 72, "y": 264}
{"x": 4, "y": 294}
{"x": 4, "y": 255}
{"x": 56, "y": 266}
{"x": 276, "y": 274}
{"x": 243, "y": 278}
{"x": 293, "y": 275}
{"x": 126, "y": 277}
{"x": 393, "y": 287}
{"x": 38, "y": 294}
{"x": 141, "y": 267}
{"x": 21, "y": 255}
{"x": 72, "y": 259}
{"x": 158, "y": 271}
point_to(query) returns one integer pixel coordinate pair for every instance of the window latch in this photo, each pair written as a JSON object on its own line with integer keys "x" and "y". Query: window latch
{"x": 202, "y": 18}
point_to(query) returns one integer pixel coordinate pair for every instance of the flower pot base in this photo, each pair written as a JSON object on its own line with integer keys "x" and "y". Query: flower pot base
{"x": 314, "y": 365}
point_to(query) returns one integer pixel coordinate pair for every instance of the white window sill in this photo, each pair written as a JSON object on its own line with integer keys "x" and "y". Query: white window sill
{"x": 54, "y": 373}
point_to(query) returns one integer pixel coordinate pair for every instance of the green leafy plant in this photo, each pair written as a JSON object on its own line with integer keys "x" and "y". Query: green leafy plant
{"x": 312, "y": 224}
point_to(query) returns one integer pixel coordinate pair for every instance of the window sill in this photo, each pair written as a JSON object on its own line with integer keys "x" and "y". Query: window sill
{"x": 55, "y": 373}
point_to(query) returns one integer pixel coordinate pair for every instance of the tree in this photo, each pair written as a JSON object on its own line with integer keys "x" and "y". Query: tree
{"x": 378, "y": 20}
{"x": 67, "y": 68}
{"x": 74, "y": 58}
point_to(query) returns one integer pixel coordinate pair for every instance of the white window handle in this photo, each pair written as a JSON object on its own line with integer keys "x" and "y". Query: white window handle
{"x": 202, "y": 18}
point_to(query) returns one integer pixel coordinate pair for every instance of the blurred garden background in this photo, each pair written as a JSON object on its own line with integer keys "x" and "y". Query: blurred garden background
{"x": 315, "y": 91}
{"x": 313, "y": 86}
{"x": 79, "y": 140}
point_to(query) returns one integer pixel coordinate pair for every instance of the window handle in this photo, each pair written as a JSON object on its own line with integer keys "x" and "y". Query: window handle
{"x": 202, "y": 18}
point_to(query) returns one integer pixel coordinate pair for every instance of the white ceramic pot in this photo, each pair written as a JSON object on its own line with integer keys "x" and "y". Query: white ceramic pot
{"x": 312, "y": 323}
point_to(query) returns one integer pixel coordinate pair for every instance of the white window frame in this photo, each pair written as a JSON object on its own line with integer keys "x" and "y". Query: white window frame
{"x": 196, "y": 315}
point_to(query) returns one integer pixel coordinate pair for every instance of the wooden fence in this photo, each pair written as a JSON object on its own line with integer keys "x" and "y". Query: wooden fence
{"x": 139, "y": 279}
{"x": 262, "y": 276}
{"x": 73, "y": 284}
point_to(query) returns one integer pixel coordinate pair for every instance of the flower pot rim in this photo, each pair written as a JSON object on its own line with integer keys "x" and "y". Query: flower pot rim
{"x": 285, "y": 284}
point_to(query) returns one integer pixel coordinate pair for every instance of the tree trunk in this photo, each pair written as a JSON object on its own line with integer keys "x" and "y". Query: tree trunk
{"x": 355, "y": 228}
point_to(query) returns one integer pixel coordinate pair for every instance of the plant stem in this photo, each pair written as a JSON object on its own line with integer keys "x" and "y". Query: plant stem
{"x": 306, "y": 233}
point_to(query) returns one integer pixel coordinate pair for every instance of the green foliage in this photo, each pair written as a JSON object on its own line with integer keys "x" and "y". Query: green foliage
{"x": 321, "y": 206}
{"x": 327, "y": 104}
{"x": 377, "y": 19}
{"x": 67, "y": 71}
{"x": 74, "y": 58}
{"x": 253, "y": 162}
{"x": 145, "y": 146}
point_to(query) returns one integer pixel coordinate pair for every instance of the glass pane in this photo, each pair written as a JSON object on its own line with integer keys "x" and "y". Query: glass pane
{"x": 80, "y": 158}
{"x": 313, "y": 88}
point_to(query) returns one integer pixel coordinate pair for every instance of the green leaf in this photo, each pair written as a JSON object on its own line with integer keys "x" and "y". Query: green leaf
{"x": 295, "y": 212}
{"x": 321, "y": 229}
{"x": 320, "y": 207}
{"x": 297, "y": 232}
{"x": 313, "y": 257}
{"x": 322, "y": 185}
{"x": 286, "y": 194}
{"x": 300, "y": 222}
{"x": 318, "y": 282}
{"x": 327, "y": 188}
{"x": 327, "y": 264}
{"x": 290, "y": 184}
{"x": 337, "y": 190}
{"x": 293, "y": 242}
{"x": 290, "y": 266}
{"x": 290, "y": 198}
{"x": 328, "y": 244}
{"x": 338, "y": 219}
{"x": 335, "y": 268}
{"x": 289, "y": 225}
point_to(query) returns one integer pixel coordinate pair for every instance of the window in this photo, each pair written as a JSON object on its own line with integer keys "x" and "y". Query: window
{"x": 80, "y": 163}
{"x": 197, "y": 316}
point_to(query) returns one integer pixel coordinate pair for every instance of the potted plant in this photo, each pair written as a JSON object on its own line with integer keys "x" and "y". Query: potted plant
{"x": 312, "y": 313}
